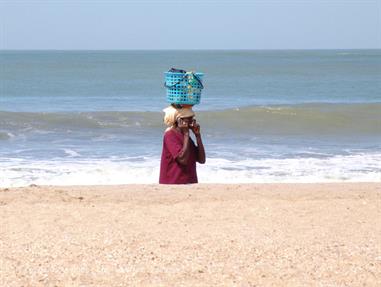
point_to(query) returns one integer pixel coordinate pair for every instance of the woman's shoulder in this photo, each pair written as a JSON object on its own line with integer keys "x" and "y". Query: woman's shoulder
{"x": 172, "y": 133}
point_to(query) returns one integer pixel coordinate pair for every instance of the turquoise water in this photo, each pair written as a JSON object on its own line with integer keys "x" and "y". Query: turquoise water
{"x": 94, "y": 117}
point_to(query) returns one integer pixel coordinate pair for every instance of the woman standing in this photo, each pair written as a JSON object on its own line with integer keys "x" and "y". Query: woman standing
{"x": 180, "y": 154}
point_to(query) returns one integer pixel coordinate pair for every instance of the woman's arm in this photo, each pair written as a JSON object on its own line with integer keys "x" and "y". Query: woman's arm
{"x": 183, "y": 157}
{"x": 200, "y": 150}
{"x": 200, "y": 146}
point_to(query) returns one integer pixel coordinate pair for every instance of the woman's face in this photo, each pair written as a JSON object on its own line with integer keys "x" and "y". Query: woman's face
{"x": 188, "y": 121}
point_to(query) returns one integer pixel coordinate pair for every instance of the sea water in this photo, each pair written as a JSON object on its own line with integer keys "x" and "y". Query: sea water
{"x": 95, "y": 117}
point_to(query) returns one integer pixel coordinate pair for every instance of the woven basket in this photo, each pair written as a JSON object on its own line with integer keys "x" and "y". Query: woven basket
{"x": 183, "y": 88}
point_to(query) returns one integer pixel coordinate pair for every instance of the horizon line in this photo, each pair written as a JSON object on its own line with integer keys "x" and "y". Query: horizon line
{"x": 204, "y": 49}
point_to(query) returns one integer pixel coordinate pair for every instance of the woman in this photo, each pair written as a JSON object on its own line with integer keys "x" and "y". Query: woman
{"x": 180, "y": 154}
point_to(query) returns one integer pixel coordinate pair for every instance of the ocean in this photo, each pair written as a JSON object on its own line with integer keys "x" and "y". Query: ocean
{"x": 95, "y": 117}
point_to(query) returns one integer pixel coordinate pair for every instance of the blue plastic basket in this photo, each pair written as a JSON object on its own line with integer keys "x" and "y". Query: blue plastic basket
{"x": 183, "y": 88}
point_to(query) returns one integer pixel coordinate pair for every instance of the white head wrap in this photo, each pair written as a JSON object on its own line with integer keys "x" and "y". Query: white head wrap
{"x": 172, "y": 115}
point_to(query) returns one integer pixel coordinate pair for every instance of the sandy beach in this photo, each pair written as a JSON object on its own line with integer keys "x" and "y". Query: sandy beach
{"x": 196, "y": 235}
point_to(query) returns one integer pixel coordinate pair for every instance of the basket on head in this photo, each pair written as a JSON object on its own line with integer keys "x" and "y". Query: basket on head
{"x": 183, "y": 87}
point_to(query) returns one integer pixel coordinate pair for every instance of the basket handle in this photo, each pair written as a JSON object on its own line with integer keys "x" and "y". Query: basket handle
{"x": 182, "y": 79}
{"x": 198, "y": 80}
{"x": 185, "y": 75}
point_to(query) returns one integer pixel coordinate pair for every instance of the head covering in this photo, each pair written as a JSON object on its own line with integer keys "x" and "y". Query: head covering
{"x": 172, "y": 115}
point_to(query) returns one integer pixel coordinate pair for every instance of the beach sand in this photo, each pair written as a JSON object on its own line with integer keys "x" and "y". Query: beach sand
{"x": 196, "y": 235}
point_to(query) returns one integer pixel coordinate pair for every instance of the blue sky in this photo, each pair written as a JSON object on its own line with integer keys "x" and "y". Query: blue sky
{"x": 186, "y": 24}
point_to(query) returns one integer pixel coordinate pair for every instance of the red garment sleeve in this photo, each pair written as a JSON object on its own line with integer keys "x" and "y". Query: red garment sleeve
{"x": 173, "y": 144}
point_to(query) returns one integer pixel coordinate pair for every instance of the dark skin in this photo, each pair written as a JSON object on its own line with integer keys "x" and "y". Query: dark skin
{"x": 184, "y": 125}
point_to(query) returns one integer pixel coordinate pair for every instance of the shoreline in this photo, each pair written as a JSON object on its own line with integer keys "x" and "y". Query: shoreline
{"x": 266, "y": 234}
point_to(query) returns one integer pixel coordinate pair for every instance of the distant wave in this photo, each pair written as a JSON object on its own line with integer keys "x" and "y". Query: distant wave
{"x": 301, "y": 119}
{"x": 280, "y": 119}
{"x": 5, "y": 135}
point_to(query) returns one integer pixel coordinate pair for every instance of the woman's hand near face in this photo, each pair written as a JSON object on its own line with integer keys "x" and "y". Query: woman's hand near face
{"x": 195, "y": 128}
{"x": 183, "y": 125}
{"x": 200, "y": 146}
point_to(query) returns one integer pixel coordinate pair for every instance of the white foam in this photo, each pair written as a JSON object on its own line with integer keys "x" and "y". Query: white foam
{"x": 91, "y": 172}
{"x": 76, "y": 171}
{"x": 352, "y": 168}
{"x": 71, "y": 153}
{"x": 6, "y": 135}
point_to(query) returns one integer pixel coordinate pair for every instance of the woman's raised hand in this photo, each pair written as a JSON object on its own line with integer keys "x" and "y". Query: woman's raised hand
{"x": 195, "y": 128}
{"x": 183, "y": 125}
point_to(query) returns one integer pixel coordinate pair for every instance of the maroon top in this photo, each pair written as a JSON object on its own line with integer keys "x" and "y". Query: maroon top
{"x": 172, "y": 172}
